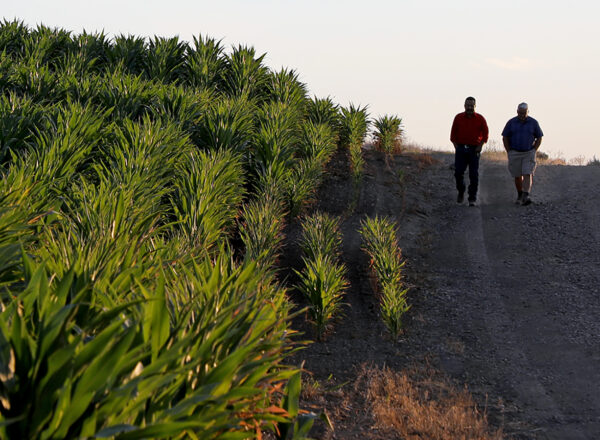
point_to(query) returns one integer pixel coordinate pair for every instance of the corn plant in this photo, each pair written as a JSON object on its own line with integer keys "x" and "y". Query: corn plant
{"x": 226, "y": 124}
{"x": 276, "y": 135}
{"x": 181, "y": 106}
{"x": 165, "y": 59}
{"x": 126, "y": 95}
{"x": 124, "y": 165}
{"x": 354, "y": 126}
{"x": 244, "y": 74}
{"x": 322, "y": 280}
{"x": 45, "y": 46}
{"x": 20, "y": 119}
{"x": 261, "y": 230}
{"x": 321, "y": 235}
{"x": 209, "y": 190}
{"x": 154, "y": 367}
{"x": 57, "y": 156}
{"x": 205, "y": 64}
{"x": 102, "y": 232}
{"x": 324, "y": 111}
{"x": 301, "y": 184}
{"x": 322, "y": 283}
{"x": 388, "y": 133}
{"x": 317, "y": 141}
{"x": 379, "y": 242}
{"x": 127, "y": 54}
{"x": 393, "y": 307}
{"x": 37, "y": 82}
{"x": 285, "y": 87}
{"x": 12, "y": 38}
{"x": 14, "y": 231}
{"x": 94, "y": 48}
{"x": 354, "y": 123}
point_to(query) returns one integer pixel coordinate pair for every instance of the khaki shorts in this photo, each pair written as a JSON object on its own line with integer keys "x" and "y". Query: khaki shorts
{"x": 521, "y": 162}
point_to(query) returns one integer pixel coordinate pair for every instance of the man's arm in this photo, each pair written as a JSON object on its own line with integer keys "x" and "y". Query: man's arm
{"x": 453, "y": 131}
{"x": 506, "y": 142}
{"x": 485, "y": 132}
{"x": 537, "y": 143}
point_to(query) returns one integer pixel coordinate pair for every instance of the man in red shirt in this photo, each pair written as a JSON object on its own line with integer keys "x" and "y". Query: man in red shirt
{"x": 469, "y": 133}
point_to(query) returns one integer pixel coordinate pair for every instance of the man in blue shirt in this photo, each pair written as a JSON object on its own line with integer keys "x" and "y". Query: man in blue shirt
{"x": 522, "y": 136}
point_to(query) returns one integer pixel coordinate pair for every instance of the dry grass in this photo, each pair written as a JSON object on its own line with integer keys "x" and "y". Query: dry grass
{"x": 425, "y": 160}
{"x": 419, "y": 405}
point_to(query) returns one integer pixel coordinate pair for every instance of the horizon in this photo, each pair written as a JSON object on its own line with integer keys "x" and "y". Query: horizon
{"x": 404, "y": 59}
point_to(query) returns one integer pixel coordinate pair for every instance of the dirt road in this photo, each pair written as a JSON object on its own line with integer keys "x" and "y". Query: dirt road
{"x": 528, "y": 284}
{"x": 506, "y": 298}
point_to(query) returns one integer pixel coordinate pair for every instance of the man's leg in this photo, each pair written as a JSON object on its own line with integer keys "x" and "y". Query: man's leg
{"x": 519, "y": 184}
{"x": 460, "y": 165}
{"x": 527, "y": 182}
{"x": 473, "y": 176}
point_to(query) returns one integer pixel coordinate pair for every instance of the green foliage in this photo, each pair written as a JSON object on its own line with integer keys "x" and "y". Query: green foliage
{"x": 393, "y": 307}
{"x": 273, "y": 143}
{"x": 354, "y": 126}
{"x": 322, "y": 283}
{"x": 379, "y": 242}
{"x": 317, "y": 141}
{"x": 45, "y": 46}
{"x": 324, "y": 111}
{"x": 166, "y": 365}
{"x": 322, "y": 280}
{"x": 127, "y": 54}
{"x": 321, "y": 236}
{"x": 94, "y": 48}
{"x": 245, "y": 75}
{"x": 13, "y": 35}
{"x": 285, "y": 87}
{"x": 165, "y": 59}
{"x": 20, "y": 119}
{"x": 37, "y": 82}
{"x": 126, "y": 95}
{"x": 226, "y": 124}
{"x": 14, "y": 230}
{"x": 261, "y": 230}
{"x": 208, "y": 192}
{"x": 205, "y": 63}
{"x": 301, "y": 184}
{"x": 388, "y": 133}
{"x": 125, "y": 166}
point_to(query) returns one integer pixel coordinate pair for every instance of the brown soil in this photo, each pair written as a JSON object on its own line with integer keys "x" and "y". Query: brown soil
{"x": 505, "y": 302}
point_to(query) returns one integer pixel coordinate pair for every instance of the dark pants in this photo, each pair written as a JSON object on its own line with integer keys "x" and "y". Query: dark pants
{"x": 464, "y": 157}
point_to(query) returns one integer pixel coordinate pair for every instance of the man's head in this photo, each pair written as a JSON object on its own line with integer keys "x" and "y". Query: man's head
{"x": 470, "y": 105}
{"x": 522, "y": 111}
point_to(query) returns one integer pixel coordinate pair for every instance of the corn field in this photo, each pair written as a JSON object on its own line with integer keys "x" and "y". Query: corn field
{"x": 145, "y": 185}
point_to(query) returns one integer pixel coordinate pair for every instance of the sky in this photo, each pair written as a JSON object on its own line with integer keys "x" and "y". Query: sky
{"x": 416, "y": 59}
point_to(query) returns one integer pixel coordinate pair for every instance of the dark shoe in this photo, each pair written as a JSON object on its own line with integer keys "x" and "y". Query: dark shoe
{"x": 519, "y": 199}
{"x": 526, "y": 201}
{"x": 472, "y": 202}
{"x": 460, "y": 198}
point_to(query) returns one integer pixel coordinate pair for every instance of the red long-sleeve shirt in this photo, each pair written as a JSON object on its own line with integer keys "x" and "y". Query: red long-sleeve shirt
{"x": 469, "y": 130}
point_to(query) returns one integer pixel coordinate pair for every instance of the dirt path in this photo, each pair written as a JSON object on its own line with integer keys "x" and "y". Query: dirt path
{"x": 528, "y": 279}
{"x": 506, "y": 299}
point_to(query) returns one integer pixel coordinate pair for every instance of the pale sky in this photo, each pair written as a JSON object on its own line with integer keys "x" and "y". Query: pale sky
{"x": 417, "y": 59}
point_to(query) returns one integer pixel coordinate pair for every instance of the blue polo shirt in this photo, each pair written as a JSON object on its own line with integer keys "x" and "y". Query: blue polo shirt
{"x": 522, "y": 134}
